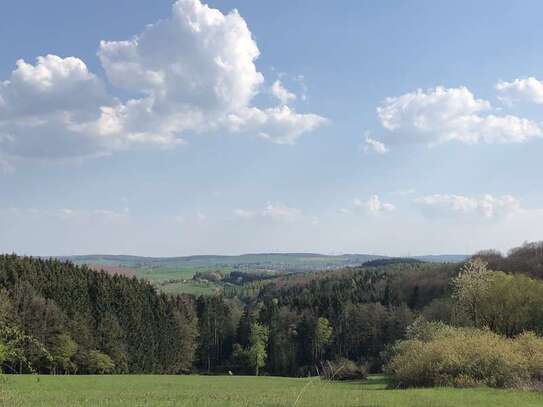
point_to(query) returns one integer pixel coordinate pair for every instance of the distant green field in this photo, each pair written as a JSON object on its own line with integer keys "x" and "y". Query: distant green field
{"x": 160, "y": 274}
{"x": 190, "y": 287}
{"x": 222, "y": 391}
{"x": 176, "y": 280}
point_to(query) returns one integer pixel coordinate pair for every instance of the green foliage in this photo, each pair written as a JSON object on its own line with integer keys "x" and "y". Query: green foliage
{"x": 22, "y": 353}
{"x": 59, "y": 313}
{"x": 252, "y": 357}
{"x": 423, "y": 330}
{"x": 54, "y": 314}
{"x": 471, "y": 288}
{"x": 242, "y": 360}
{"x": 99, "y": 363}
{"x": 218, "y": 320}
{"x": 506, "y": 303}
{"x": 527, "y": 259}
{"x": 62, "y": 352}
{"x": 530, "y": 347}
{"x": 258, "y": 340}
{"x": 438, "y": 355}
{"x": 321, "y": 337}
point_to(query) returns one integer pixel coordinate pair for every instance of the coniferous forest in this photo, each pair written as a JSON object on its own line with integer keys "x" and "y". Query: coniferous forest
{"x": 58, "y": 318}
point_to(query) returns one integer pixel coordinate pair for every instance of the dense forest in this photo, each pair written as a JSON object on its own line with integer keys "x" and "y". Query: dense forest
{"x": 59, "y": 318}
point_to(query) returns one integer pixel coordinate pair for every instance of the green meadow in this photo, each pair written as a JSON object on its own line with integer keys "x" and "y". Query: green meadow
{"x": 238, "y": 391}
{"x": 178, "y": 280}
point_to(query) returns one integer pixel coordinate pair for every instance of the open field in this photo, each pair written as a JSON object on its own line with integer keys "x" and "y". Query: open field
{"x": 162, "y": 274}
{"x": 189, "y": 287}
{"x": 172, "y": 280}
{"x": 222, "y": 391}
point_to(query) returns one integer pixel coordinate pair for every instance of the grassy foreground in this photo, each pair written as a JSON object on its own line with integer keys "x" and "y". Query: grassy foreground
{"x": 131, "y": 391}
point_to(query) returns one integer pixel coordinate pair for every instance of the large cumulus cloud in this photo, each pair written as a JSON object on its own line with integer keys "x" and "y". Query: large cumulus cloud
{"x": 440, "y": 115}
{"x": 192, "y": 72}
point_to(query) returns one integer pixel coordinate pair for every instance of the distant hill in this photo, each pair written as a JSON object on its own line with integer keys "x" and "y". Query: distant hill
{"x": 286, "y": 262}
{"x": 391, "y": 261}
{"x": 290, "y": 262}
{"x": 443, "y": 258}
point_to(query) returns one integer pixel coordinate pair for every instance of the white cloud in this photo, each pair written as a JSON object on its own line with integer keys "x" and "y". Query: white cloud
{"x": 192, "y": 72}
{"x": 486, "y": 206}
{"x": 273, "y": 211}
{"x": 196, "y": 72}
{"x": 374, "y": 205}
{"x": 53, "y": 84}
{"x": 282, "y": 212}
{"x": 375, "y": 146}
{"x": 51, "y": 109}
{"x": 441, "y": 115}
{"x": 189, "y": 69}
{"x": 58, "y": 109}
{"x": 280, "y": 125}
{"x": 281, "y": 93}
{"x": 529, "y": 89}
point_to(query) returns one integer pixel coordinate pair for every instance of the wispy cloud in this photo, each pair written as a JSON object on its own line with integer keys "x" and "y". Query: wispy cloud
{"x": 373, "y": 205}
{"x": 273, "y": 211}
{"x": 485, "y": 206}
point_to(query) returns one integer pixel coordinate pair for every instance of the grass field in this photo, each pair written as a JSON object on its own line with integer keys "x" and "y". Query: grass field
{"x": 222, "y": 391}
{"x": 190, "y": 287}
{"x": 172, "y": 280}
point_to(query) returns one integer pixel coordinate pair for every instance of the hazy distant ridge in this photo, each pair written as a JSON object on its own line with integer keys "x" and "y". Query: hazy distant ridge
{"x": 294, "y": 261}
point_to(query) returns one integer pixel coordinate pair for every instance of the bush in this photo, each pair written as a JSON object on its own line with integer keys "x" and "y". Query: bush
{"x": 343, "y": 369}
{"x": 463, "y": 357}
{"x": 99, "y": 363}
{"x": 530, "y": 347}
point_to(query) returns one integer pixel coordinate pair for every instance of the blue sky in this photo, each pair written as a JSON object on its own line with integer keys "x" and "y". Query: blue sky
{"x": 369, "y": 127}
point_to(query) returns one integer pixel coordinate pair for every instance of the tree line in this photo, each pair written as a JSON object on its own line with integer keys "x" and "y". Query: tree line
{"x": 58, "y": 318}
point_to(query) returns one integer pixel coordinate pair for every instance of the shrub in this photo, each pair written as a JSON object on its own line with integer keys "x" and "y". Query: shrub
{"x": 465, "y": 357}
{"x": 506, "y": 303}
{"x": 343, "y": 369}
{"x": 530, "y": 347}
{"x": 99, "y": 363}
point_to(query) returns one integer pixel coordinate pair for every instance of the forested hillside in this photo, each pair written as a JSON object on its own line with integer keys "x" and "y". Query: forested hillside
{"x": 56, "y": 317}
